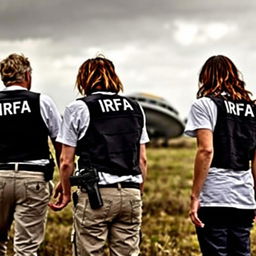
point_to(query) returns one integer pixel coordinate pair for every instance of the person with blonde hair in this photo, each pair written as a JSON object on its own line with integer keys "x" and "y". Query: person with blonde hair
{"x": 27, "y": 120}
{"x": 223, "y": 121}
{"x": 107, "y": 132}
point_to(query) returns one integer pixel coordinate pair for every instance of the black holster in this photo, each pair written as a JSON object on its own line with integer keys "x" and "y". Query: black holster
{"x": 88, "y": 179}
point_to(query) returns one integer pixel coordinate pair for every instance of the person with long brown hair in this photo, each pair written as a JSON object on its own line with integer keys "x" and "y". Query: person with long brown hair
{"x": 223, "y": 121}
{"x": 107, "y": 132}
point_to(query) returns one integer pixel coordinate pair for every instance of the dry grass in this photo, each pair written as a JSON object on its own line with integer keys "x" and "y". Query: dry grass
{"x": 166, "y": 229}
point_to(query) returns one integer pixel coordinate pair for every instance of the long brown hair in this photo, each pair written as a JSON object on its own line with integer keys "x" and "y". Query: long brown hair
{"x": 218, "y": 75}
{"x": 97, "y": 74}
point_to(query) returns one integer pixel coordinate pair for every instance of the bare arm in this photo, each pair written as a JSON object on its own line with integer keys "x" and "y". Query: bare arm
{"x": 143, "y": 164}
{"x": 57, "y": 147}
{"x": 67, "y": 166}
{"x": 202, "y": 164}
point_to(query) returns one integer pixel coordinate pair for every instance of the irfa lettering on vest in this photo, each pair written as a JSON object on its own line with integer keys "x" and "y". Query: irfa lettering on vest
{"x": 239, "y": 109}
{"x": 108, "y": 105}
{"x": 13, "y": 108}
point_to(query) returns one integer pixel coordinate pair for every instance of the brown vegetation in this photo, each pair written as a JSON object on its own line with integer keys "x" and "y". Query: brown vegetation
{"x": 166, "y": 229}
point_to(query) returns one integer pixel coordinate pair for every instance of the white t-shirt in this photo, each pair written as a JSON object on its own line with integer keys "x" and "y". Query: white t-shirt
{"x": 50, "y": 116}
{"x": 76, "y": 120}
{"x": 222, "y": 187}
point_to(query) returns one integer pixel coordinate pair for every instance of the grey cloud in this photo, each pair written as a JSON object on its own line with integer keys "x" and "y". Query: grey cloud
{"x": 104, "y": 20}
{"x": 159, "y": 64}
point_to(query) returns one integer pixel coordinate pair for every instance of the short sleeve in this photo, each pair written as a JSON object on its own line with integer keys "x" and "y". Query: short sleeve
{"x": 50, "y": 115}
{"x": 202, "y": 115}
{"x": 75, "y": 122}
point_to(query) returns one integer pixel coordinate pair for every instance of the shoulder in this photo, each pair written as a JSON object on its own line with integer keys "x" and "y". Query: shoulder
{"x": 203, "y": 108}
{"x": 46, "y": 99}
{"x": 203, "y": 103}
{"x": 47, "y": 104}
{"x": 202, "y": 115}
{"x": 76, "y": 105}
{"x": 76, "y": 108}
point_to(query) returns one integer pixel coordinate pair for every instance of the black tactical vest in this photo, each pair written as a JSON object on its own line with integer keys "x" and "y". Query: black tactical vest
{"x": 234, "y": 136}
{"x": 23, "y": 133}
{"x": 112, "y": 141}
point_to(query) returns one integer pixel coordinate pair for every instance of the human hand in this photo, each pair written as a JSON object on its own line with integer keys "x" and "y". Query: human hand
{"x": 62, "y": 200}
{"x": 194, "y": 206}
{"x": 58, "y": 191}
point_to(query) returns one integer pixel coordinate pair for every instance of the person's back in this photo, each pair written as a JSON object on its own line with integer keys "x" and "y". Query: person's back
{"x": 234, "y": 137}
{"x": 223, "y": 121}
{"x": 108, "y": 133}
{"x": 113, "y": 136}
{"x": 26, "y": 166}
{"x": 24, "y": 134}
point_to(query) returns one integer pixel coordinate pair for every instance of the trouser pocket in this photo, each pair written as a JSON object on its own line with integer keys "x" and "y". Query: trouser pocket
{"x": 37, "y": 196}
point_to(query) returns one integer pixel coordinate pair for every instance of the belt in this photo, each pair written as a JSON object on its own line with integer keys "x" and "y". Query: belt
{"x": 23, "y": 167}
{"x": 121, "y": 185}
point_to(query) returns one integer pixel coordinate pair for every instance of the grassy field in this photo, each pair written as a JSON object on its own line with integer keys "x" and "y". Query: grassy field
{"x": 167, "y": 230}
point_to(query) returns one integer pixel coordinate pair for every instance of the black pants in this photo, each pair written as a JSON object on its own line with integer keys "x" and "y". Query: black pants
{"x": 226, "y": 231}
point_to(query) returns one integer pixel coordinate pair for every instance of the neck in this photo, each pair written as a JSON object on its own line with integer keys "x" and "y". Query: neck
{"x": 23, "y": 84}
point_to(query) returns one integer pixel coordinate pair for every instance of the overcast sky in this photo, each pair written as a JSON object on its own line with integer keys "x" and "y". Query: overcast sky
{"x": 157, "y": 46}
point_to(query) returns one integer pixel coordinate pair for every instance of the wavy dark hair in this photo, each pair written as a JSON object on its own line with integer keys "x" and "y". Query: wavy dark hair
{"x": 97, "y": 74}
{"x": 218, "y": 75}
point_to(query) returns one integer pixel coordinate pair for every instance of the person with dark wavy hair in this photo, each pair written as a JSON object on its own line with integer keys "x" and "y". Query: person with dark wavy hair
{"x": 107, "y": 132}
{"x": 223, "y": 121}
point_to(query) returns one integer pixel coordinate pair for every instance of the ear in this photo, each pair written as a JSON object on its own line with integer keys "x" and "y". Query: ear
{"x": 27, "y": 76}
{"x": 28, "y": 79}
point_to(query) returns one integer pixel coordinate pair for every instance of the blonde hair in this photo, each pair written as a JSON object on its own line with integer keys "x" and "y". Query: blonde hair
{"x": 97, "y": 74}
{"x": 13, "y": 69}
{"x": 219, "y": 74}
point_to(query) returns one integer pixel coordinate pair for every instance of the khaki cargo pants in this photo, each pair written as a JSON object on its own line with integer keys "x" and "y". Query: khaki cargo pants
{"x": 118, "y": 222}
{"x": 24, "y": 196}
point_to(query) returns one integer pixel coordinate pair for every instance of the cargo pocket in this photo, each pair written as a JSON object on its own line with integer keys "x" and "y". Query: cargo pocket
{"x": 94, "y": 224}
{"x": 37, "y": 196}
